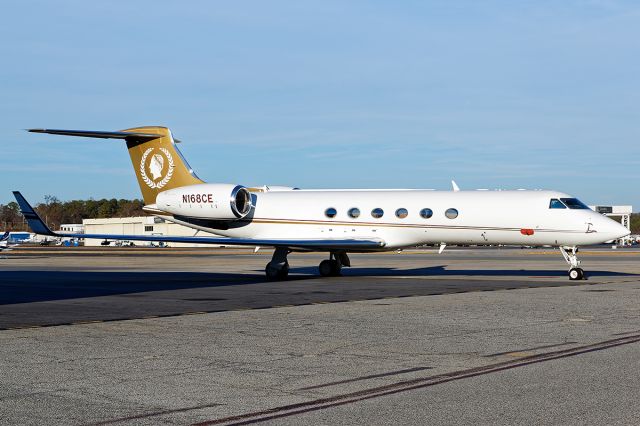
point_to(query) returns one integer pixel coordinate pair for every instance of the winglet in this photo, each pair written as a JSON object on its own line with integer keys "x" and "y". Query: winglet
{"x": 36, "y": 224}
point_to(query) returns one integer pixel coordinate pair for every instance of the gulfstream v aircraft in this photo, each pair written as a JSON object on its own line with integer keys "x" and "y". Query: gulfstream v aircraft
{"x": 340, "y": 221}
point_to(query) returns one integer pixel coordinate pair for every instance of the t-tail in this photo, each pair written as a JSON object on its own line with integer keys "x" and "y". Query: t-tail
{"x": 156, "y": 159}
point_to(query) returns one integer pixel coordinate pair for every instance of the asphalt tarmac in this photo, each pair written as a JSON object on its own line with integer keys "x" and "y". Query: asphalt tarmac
{"x": 168, "y": 336}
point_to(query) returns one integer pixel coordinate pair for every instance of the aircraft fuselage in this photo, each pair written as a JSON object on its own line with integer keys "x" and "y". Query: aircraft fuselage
{"x": 483, "y": 217}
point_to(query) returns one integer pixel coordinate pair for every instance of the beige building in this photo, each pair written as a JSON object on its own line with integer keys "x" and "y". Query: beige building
{"x": 143, "y": 225}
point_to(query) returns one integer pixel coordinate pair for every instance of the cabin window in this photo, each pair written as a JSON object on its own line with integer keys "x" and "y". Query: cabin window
{"x": 556, "y": 204}
{"x": 377, "y": 213}
{"x": 354, "y": 212}
{"x": 330, "y": 212}
{"x": 402, "y": 213}
{"x": 574, "y": 203}
{"x": 451, "y": 213}
{"x": 148, "y": 228}
{"x": 426, "y": 213}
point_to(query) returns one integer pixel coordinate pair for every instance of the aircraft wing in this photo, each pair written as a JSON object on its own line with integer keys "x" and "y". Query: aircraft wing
{"x": 38, "y": 226}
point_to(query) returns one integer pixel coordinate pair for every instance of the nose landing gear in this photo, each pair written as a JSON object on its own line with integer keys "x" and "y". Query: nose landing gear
{"x": 570, "y": 255}
{"x": 576, "y": 274}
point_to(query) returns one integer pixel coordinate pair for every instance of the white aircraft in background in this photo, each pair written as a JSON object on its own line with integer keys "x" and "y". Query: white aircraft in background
{"x": 340, "y": 221}
{"x": 4, "y": 242}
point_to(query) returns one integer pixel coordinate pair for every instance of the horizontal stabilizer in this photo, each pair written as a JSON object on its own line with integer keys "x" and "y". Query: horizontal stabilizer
{"x": 97, "y": 134}
{"x": 38, "y": 226}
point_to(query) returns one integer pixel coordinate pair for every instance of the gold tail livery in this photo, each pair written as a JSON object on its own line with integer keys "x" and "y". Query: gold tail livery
{"x": 154, "y": 156}
{"x": 340, "y": 221}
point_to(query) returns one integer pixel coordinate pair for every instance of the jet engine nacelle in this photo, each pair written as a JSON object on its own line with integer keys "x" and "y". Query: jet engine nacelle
{"x": 218, "y": 201}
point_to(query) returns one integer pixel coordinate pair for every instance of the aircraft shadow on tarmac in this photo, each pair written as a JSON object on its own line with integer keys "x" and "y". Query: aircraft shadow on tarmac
{"x": 46, "y": 285}
{"x": 441, "y": 270}
{"x": 43, "y": 285}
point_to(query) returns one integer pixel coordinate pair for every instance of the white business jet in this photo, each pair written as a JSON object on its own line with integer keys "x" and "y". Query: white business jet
{"x": 340, "y": 221}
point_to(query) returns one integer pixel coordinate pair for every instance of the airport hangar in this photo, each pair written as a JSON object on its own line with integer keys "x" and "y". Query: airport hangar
{"x": 137, "y": 225}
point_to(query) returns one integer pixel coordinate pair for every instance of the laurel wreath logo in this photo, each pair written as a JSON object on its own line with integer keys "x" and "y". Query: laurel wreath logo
{"x": 143, "y": 172}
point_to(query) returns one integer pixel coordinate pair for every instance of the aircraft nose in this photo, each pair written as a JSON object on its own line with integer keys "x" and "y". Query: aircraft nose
{"x": 612, "y": 229}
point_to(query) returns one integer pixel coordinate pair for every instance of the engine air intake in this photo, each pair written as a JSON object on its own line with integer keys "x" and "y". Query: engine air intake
{"x": 217, "y": 201}
{"x": 240, "y": 201}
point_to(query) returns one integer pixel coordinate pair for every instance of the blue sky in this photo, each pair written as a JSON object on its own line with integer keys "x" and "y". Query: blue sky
{"x": 495, "y": 94}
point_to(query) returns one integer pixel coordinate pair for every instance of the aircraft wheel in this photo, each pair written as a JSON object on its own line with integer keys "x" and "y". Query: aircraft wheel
{"x": 337, "y": 268}
{"x": 275, "y": 273}
{"x": 576, "y": 274}
{"x": 329, "y": 268}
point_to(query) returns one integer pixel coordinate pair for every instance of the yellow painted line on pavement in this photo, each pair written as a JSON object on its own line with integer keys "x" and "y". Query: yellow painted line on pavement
{"x": 519, "y": 354}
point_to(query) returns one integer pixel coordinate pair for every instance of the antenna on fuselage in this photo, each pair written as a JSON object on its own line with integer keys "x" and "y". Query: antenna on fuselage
{"x": 455, "y": 186}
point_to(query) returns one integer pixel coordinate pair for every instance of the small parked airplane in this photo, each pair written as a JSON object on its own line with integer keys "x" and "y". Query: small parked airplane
{"x": 4, "y": 242}
{"x": 340, "y": 221}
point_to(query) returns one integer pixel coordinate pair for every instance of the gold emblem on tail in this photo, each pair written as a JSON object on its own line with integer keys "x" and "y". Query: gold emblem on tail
{"x": 156, "y": 167}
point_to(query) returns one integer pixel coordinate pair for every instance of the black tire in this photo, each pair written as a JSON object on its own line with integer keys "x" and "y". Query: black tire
{"x": 274, "y": 273}
{"x": 576, "y": 274}
{"x": 337, "y": 269}
{"x": 325, "y": 268}
{"x": 329, "y": 268}
{"x": 283, "y": 274}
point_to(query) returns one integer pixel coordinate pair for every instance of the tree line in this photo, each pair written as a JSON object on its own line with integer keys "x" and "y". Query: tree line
{"x": 56, "y": 212}
{"x": 635, "y": 223}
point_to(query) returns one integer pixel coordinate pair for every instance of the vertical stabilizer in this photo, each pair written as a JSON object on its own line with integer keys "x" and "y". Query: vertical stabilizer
{"x": 158, "y": 163}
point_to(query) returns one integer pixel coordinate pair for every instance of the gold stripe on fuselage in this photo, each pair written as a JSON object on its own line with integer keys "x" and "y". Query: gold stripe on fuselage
{"x": 393, "y": 225}
{"x": 372, "y": 224}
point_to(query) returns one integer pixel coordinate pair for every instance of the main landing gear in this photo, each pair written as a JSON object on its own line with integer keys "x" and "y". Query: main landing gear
{"x": 278, "y": 268}
{"x": 570, "y": 255}
{"x": 333, "y": 266}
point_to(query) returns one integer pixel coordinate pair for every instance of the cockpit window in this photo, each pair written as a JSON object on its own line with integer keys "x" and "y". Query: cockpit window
{"x": 574, "y": 203}
{"x": 556, "y": 204}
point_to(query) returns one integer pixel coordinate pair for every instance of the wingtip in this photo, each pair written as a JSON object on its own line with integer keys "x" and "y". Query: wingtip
{"x": 22, "y": 201}
{"x": 35, "y": 222}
